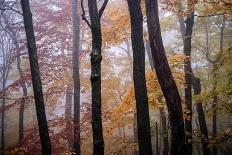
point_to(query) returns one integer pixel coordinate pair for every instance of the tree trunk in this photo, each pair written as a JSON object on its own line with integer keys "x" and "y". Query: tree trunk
{"x": 188, "y": 89}
{"x": 76, "y": 76}
{"x": 68, "y": 116}
{"x": 163, "y": 122}
{"x": 135, "y": 130}
{"x": 24, "y": 87}
{"x": 21, "y": 108}
{"x": 98, "y": 141}
{"x": 148, "y": 49}
{"x": 196, "y": 84}
{"x": 36, "y": 80}
{"x": 201, "y": 116}
{"x": 143, "y": 120}
{"x": 164, "y": 131}
{"x": 165, "y": 79}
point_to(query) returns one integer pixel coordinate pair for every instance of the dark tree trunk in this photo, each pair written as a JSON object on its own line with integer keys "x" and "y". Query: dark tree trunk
{"x": 188, "y": 89}
{"x": 36, "y": 80}
{"x": 76, "y": 76}
{"x": 165, "y": 79}
{"x": 201, "y": 116}
{"x": 143, "y": 120}
{"x": 95, "y": 25}
{"x": 68, "y": 116}
{"x": 163, "y": 122}
{"x": 196, "y": 84}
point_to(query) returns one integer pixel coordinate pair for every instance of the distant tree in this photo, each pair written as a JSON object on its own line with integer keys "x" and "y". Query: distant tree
{"x": 76, "y": 76}
{"x": 36, "y": 80}
{"x": 13, "y": 34}
{"x": 216, "y": 61}
{"x": 6, "y": 48}
{"x": 143, "y": 120}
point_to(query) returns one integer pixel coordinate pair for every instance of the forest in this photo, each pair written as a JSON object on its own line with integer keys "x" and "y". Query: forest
{"x": 116, "y": 77}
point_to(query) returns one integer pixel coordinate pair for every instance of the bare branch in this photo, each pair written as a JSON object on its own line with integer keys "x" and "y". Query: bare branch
{"x": 83, "y": 14}
{"x": 103, "y": 8}
{"x": 210, "y": 15}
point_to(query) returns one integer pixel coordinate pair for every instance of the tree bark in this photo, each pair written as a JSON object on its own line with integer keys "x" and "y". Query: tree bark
{"x": 36, "y": 80}
{"x": 76, "y": 76}
{"x": 143, "y": 120}
{"x": 95, "y": 26}
{"x": 165, "y": 79}
{"x": 188, "y": 89}
{"x": 162, "y": 114}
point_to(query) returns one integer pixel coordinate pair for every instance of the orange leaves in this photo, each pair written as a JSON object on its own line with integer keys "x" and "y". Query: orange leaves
{"x": 123, "y": 113}
{"x": 116, "y": 25}
{"x": 216, "y": 7}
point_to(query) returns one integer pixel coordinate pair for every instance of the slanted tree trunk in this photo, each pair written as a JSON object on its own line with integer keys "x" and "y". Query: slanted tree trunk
{"x": 76, "y": 76}
{"x": 95, "y": 26}
{"x": 143, "y": 120}
{"x": 201, "y": 116}
{"x": 36, "y": 80}
{"x": 163, "y": 122}
{"x": 165, "y": 79}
